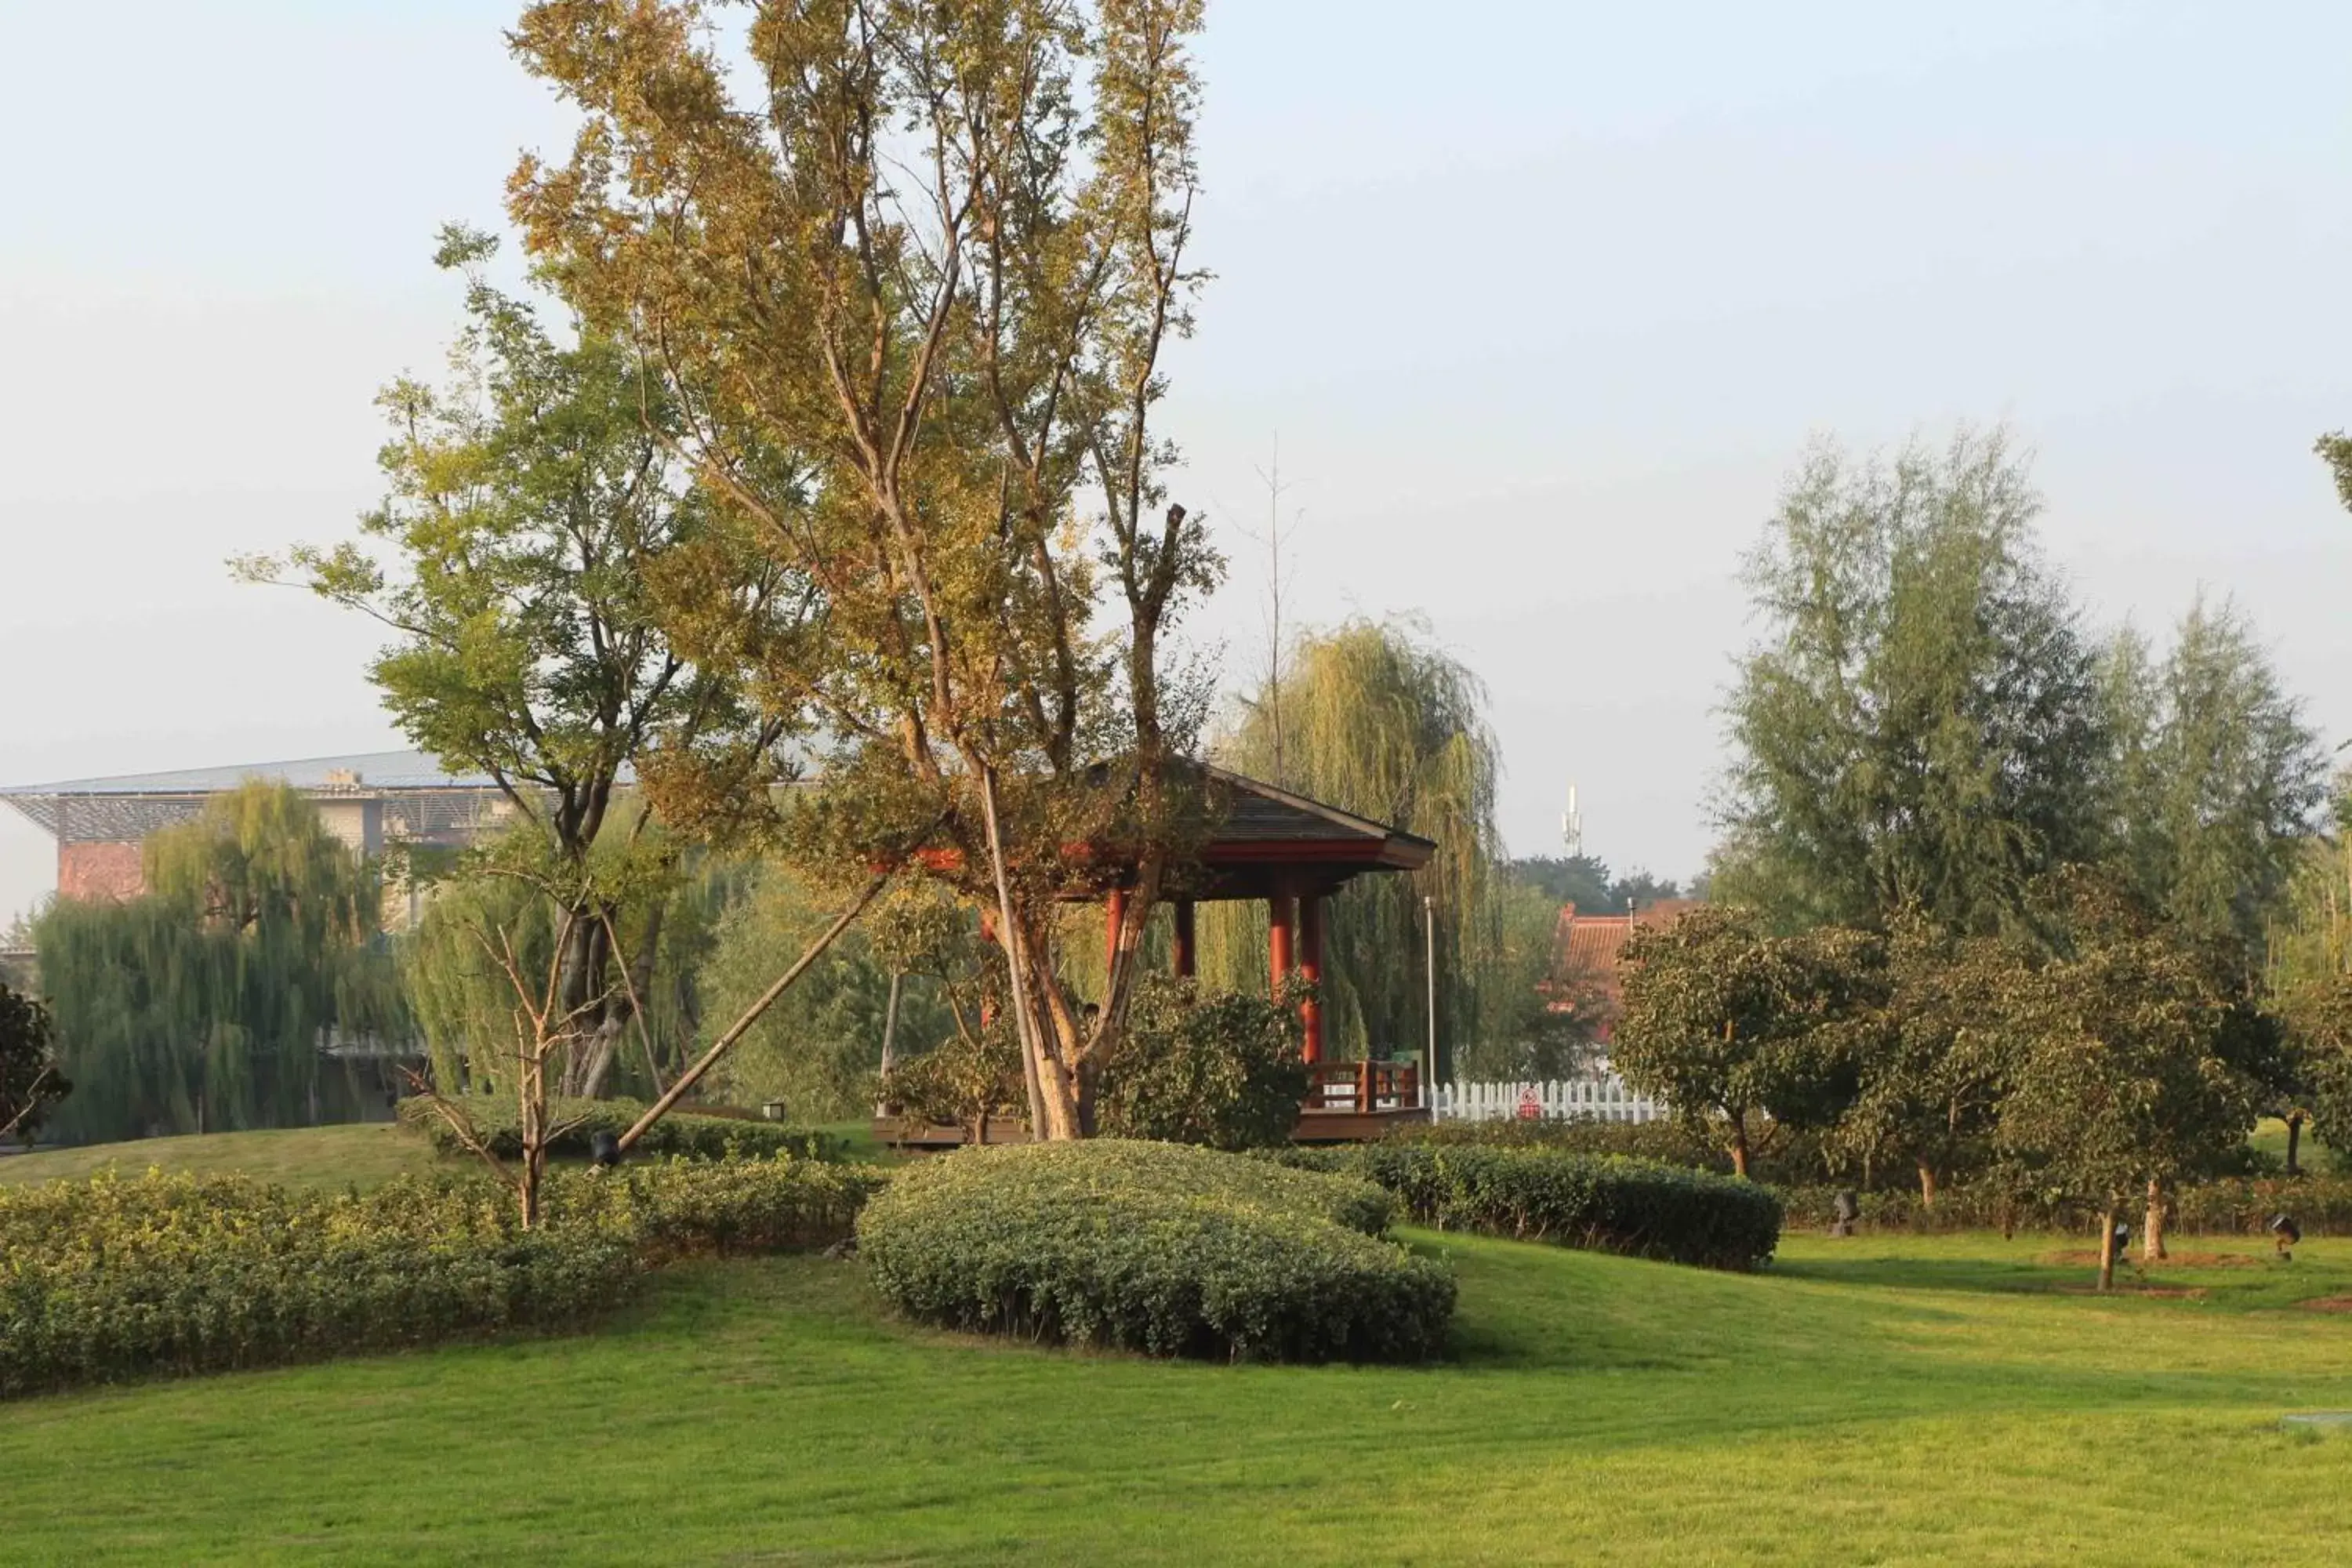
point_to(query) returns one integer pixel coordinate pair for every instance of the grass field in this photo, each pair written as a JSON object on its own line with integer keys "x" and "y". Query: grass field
{"x": 363, "y": 1153}
{"x": 360, "y": 1154}
{"x": 1931, "y": 1400}
{"x": 1880, "y": 1400}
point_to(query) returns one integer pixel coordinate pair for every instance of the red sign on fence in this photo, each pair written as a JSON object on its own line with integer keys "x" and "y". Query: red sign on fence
{"x": 1531, "y": 1105}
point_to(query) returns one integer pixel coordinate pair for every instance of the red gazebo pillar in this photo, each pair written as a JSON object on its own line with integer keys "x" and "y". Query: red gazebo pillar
{"x": 1278, "y": 959}
{"x": 1311, "y": 969}
{"x": 1185, "y": 953}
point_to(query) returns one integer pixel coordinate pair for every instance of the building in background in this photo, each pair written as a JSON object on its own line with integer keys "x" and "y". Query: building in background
{"x": 373, "y": 801}
{"x": 1586, "y": 951}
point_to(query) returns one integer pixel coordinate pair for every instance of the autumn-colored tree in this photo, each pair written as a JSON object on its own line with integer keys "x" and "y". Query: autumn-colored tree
{"x": 908, "y": 287}
{"x": 1743, "y": 1032}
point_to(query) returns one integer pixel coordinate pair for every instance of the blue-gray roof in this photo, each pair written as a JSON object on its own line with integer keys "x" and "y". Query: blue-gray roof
{"x": 377, "y": 769}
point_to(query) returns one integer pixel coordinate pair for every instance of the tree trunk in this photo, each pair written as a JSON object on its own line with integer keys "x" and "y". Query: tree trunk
{"x": 890, "y": 1032}
{"x": 1926, "y": 1186}
{"x": 2293, "y": 1137}
{"x": 2107, "y": 1249}
{"x": 2151, "y": 1238}
{"x": 1739, "y": 1149}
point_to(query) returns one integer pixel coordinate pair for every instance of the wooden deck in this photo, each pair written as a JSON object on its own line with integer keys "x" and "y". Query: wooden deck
{"x": 1347, "y": 1102}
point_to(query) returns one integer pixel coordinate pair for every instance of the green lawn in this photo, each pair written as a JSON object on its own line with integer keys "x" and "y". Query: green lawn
{"x": 1881, "y": 1400}
{"x": 363, "y": 1152}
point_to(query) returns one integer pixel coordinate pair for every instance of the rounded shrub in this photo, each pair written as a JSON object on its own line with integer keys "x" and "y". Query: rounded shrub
{"x": 1639, "y": 1209}
{"x": 1154, "y": 1247}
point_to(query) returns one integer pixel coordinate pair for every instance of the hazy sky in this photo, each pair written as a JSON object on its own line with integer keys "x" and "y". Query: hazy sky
{"x": 1543, "y": 299}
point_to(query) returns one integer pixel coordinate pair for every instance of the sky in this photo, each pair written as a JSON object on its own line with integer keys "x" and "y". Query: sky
{"x": 1541, "y": 305}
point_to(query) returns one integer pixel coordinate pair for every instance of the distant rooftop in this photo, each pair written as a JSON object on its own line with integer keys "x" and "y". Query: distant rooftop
{"x": 126, "y": 807}
{"x": 377, "y": 769}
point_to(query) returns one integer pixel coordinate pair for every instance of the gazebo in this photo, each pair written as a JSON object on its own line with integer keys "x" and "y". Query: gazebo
{"x": 1294, "y": 853}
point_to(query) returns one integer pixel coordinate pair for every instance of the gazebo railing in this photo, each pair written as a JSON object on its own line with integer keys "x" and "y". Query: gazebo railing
{"x": 1361, "y": 1088}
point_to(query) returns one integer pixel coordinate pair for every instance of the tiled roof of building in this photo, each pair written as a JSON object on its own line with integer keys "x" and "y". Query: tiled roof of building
{"x": 1585, "y": 947}
{"x": 1258, "y": 812}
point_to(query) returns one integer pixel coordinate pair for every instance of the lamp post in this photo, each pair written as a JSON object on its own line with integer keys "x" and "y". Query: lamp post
{"x": 1429, "y": 965}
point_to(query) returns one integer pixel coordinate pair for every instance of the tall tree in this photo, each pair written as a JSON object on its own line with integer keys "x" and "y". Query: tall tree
{"x": 1920, "y": 724}
{"x": 2309, "y": 987}
{"x": 2215, "y": 775}
{"x": 1379, "y": 721}
{"x": 209, "y": 1002}
{"x": 910, "y": 292}
{"x": 534, "y": 514}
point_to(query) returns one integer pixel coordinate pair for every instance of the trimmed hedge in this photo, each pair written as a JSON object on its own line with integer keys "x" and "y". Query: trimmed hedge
{"x": 107, "y": 1279}
{"x": 1639, "y": 1209}
{"x": 691, "y": 1134}
{"x": 1154, "y": 1247}
{"x": 2228, "y": 1205}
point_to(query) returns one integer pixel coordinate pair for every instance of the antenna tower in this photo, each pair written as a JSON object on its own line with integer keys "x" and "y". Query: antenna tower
{"x": 1571, "y": 826}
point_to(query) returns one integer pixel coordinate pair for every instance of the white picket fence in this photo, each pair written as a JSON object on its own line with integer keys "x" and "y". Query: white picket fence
{"x": 1601, "y": 1099}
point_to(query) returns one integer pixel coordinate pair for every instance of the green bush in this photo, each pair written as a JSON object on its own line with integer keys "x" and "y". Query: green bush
{"x": 105, "y": 1279}
{"x": 690, "y": 1134}
{"x": 1640, "y": 1208}
{"x": 1219, "y": 1070}
{"x": 1154, "y": 1247}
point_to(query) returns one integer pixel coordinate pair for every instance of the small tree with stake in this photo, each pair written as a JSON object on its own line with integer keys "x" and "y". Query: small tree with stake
{"x": 1742, "y": 1033}
{"x": 2122, "y": 1079}
{"x": 1931, "y": 1061}
{"x": 30, "y": 1082}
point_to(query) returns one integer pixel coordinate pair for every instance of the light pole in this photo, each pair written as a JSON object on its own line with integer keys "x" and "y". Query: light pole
{"x": 1429, "y": 965}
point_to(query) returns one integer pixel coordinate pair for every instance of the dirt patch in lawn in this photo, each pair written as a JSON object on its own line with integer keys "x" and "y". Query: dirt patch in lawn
{"x": 2132, "y": 1288}
{"x": 2327, "y": 1304}
{"x": 2088, "y": 1259}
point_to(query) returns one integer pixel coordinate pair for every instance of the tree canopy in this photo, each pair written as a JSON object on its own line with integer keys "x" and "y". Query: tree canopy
{"x": 1919, "y": 725}
{"x": 910, "y": 292}
{"x": 2214, "y": 779}
{"x": 1744, "y": 1033}
{"x": 535, "y": 513}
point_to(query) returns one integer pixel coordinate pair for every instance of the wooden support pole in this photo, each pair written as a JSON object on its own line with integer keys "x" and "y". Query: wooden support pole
{"x": 1114, "y": 917}
{"x": 1311, "y": 969}
{"x": 1186, "y": 952}
{"x": 988, "y": 935}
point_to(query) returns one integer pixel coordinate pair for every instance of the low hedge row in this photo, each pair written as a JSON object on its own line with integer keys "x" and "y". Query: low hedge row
{"x": 107, "y": 1279}
{"x": 2230, "y": 1205}
{"x": 1640, "y": 1208}
{"x": 691, "y": 1134}
{"x": 1154, "y": 1247}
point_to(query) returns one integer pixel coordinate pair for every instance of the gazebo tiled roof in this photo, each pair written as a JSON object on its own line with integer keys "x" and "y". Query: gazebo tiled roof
{"x": 1269, "y": 840}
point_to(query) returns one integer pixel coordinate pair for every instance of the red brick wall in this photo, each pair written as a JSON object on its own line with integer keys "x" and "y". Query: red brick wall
{"x": 90, "y": 871}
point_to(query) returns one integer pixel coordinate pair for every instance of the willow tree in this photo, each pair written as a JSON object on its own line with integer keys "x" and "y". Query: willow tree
{"x": 533, "y": 511}
{"x": 1378, "y": 720}
{"x": 908, "y": 272}
{"x": 1919, "y": 724}
{"x": 211, "y": 1001}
